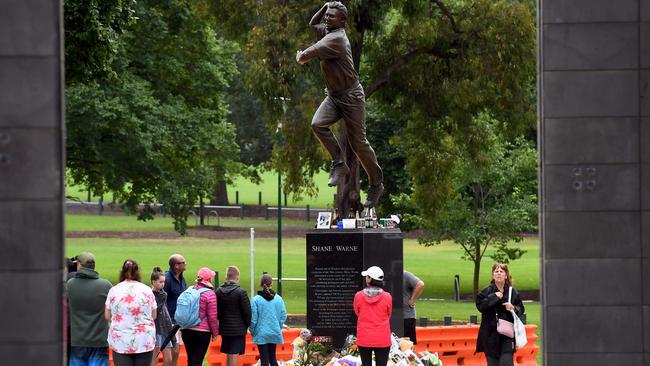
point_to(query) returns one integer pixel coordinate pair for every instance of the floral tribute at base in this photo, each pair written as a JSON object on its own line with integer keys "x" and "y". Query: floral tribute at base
{"x": 311, "y": 350}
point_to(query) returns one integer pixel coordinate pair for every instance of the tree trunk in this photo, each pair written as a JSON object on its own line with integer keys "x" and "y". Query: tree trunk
{"x": 220, "y": 194}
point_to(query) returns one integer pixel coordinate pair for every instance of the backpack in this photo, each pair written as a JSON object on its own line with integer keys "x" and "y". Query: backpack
{"x": 187, "y": 307}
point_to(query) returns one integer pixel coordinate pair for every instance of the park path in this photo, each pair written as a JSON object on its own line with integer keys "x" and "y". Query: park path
{"x": 205, "y": 233}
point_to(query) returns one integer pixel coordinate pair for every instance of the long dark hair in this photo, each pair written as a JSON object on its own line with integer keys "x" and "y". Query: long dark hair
{"x": 265, "y": 282}
{"x": 130, "y": 271}
{"x": 156, "y": 274}
{"x": 376, "y": 283}
{"x": 71, "y": 264}
{"x": 504, "y": 267}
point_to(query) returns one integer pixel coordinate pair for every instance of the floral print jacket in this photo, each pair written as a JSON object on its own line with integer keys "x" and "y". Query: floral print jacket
{"x": 132, "y": 329}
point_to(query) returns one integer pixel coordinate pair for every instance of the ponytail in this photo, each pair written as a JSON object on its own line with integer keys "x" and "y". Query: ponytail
{"x": 156, "y": 274}
{"x": 130, "y": 271}
{"x": 266, "y": 281}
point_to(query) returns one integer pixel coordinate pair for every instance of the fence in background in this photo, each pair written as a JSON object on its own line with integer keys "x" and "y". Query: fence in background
{"x": 211, "y": 213}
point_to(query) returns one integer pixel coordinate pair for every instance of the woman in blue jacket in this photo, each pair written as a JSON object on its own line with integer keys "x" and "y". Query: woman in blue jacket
{"x": 268, "y": 317}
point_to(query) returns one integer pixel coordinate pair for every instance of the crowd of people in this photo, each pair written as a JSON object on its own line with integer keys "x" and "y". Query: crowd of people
{"x": 138, "y": 321}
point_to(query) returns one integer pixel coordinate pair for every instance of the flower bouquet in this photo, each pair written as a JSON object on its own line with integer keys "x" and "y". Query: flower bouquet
{"x": 402, "y": 353}
{"x": 350, "y": 346}
{"x": 310, "y": 350}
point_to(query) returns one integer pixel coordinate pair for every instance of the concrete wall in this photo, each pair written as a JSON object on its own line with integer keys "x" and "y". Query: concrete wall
{"x": 31, "y": 167}
{"x": 594, "y": 106}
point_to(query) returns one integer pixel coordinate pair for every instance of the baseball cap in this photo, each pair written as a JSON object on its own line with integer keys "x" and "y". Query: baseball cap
{"x": 374, "y": 272}
{"x": 86, "y": 259}
{"x": 205, "y": 274}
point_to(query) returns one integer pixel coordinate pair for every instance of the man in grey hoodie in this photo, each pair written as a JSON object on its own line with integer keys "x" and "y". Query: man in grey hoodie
{"x": 88, "y": 329}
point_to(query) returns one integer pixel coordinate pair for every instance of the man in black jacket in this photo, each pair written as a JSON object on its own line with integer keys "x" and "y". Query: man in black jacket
{"x": 234, "y": 314}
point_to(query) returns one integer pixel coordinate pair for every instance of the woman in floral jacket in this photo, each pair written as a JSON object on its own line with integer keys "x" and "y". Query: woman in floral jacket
{"x": 131, "y": 310}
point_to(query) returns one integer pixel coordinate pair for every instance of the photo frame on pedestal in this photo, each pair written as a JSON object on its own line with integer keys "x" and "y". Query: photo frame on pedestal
{"x": 324, "y": 220}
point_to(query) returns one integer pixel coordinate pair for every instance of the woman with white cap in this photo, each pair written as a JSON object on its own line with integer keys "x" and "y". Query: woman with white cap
{"x": 197, "y": 338}
{"x": 373, "y": 307}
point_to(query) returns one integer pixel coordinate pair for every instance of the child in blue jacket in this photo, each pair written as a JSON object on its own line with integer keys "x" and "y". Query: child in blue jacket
{"x": 268, "y": 317}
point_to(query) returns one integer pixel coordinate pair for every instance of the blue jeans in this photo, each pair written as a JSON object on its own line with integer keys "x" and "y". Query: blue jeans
{"x": 88, "y": 356}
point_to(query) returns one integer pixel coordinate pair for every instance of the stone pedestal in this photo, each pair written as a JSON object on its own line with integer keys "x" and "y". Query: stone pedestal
{"x": 335, "y": 259}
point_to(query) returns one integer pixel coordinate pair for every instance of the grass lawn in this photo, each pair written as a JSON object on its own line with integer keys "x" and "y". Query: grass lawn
{"x": 164, "y": 224}
{"x": 436, "y": 266}
{"x": 248, "y": 192}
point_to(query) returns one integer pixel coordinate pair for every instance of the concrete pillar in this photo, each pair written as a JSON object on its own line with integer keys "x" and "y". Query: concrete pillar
{"x": 594, "y": 133}
{"x": 31, "y": 182}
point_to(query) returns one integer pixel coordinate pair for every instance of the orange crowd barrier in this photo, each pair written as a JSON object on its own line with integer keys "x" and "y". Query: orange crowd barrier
{"x": 455, "y": 346}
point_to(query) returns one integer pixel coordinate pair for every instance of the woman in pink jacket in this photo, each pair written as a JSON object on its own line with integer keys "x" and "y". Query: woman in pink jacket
{"x": 197, "y": 339}
{"x": 373, "y": 307}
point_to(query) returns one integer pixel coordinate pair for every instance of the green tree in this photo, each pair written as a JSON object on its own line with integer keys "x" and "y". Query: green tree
{"x": 156, "y": 131}
{"x": 92, "y": 32}
{"x": 494, "y": 199}
{"x": 427, "y": 67}
{"x": 173, "y": 46}
{"x": 449, "y": 62}
{"x": 123, "y": 140}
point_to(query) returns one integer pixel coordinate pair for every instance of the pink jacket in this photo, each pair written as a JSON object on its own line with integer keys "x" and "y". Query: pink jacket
{"x": 373, "y": 307}
{"x": 207, "y": 311}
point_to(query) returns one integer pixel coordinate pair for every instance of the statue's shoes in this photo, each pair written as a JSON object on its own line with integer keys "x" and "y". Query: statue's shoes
{"x": 338, "y": 172}
{"x": 374, "y": 193}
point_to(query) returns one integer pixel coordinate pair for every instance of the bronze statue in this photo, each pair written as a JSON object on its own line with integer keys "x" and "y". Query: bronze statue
{"x": 344, "y": 98}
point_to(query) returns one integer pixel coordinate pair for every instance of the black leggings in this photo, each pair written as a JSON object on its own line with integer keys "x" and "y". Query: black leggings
{"x": 267, "y": 354}
{"x": 506, "y": 359}
{"x": 132, "y": 359}
{"x": 381, "y": 355}
{"x": 196, "y": 345}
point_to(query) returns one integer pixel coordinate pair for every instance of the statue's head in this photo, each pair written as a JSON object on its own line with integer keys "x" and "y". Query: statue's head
{"x": 336, "y": 15}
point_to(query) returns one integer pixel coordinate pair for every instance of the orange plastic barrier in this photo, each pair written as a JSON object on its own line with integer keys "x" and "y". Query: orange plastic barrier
{"x": 455, "y": 346}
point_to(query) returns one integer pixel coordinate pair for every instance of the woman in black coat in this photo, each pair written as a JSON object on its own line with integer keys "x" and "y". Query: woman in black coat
{"x": 493, "y": 300}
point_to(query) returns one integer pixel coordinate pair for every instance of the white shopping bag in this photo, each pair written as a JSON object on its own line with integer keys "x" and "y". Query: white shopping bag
{"x": 520, "y": 331}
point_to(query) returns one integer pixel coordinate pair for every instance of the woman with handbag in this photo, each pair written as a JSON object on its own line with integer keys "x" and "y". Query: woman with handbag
{"x": 495, "y": 302}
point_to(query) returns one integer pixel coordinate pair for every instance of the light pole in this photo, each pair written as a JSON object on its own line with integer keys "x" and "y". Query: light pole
{"x": 280, "y": 142}
{"x": 279, "y": 139}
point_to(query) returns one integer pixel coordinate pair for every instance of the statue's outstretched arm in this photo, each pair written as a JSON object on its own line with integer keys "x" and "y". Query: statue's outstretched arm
{"x": 302, "y": 57}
